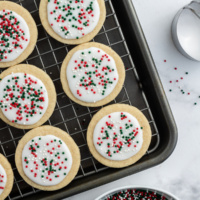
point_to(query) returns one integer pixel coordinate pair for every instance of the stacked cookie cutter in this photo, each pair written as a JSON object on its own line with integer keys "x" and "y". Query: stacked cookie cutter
{"x": 186, "y": 30}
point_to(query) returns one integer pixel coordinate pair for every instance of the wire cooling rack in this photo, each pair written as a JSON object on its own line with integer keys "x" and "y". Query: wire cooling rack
{"x": 69, "y": 116}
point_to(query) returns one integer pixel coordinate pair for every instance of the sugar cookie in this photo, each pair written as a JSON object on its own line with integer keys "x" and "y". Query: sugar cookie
{"x": 47, "y": 158}
{"x": 27, "y": 96}
{"x": 118, "y": 135}
{"x": 6, "y": 177}
{"x": 72, "y": 22}
{"x": 92, "y": 74}
{"x": 18, "y": 34}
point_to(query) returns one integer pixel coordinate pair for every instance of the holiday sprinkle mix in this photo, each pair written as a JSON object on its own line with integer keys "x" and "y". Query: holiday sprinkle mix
{"x": 92, "y": 74}
{"x": 73, "y": 19}
{"x": 136, "y": 195}
{"x": 179, "y": 85}
{"x": 23, "y": 98}
{"x": 14, "y": 35}
{"x": 118, "y": 136}
{"x": 46, "y": 160}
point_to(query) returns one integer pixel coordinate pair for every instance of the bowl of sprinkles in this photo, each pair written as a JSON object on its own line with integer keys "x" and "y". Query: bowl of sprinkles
{"x": 136, "y": 193}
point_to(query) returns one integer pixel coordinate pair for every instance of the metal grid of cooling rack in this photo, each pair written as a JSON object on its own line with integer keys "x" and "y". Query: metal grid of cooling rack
{"x": 69, "y": 116}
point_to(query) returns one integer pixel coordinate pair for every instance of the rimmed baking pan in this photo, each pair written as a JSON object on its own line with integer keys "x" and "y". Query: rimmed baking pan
{"x": 142, "y": 88}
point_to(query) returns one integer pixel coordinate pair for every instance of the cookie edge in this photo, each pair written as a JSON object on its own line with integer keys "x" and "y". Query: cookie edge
{"x": 10, "y": 176}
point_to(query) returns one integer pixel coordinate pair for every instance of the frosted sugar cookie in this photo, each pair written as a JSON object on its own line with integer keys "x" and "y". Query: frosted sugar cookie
{"x": 72, "y": 21}
{"x": 118, "y": 135}
{"x": 92, "y": 74}
{"x": 18, "y": 34}
{"x": 6, "y": 177}
{"x": 27, "y": 96}
{"x": 47, "y": 158}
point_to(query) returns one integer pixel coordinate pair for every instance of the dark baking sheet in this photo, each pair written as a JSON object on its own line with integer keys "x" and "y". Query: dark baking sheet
{"x": 142, "y": 88}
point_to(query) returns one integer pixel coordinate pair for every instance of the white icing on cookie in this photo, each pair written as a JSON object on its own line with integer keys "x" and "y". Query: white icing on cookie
{"x": 91, "y": 74}
{"x": 14, "y": 35}
{"x": 3, "y": 179}
{"x": 46, "y": 160}
{"x": 72, "y": 19}
{"x": 118, "y": 136}
{"x": 23, "y": 98}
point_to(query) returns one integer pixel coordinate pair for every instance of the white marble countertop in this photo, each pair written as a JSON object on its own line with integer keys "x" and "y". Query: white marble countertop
{"x": 180, "y": 173}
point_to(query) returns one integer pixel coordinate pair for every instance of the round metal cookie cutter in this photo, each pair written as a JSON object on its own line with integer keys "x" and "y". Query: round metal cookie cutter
{"x": 186, "y": 30}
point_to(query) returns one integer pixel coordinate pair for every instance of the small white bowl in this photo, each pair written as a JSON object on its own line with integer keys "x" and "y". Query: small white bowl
{"x": 131, "y": 187}
{"x": 186, "y": 31}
